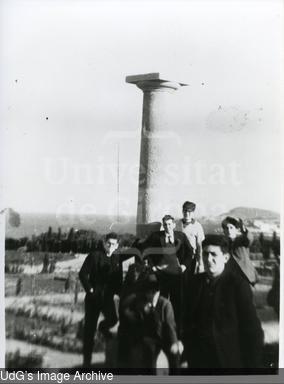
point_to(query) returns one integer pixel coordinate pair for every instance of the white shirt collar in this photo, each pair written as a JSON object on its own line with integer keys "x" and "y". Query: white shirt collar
{"x": 156, "y": 298}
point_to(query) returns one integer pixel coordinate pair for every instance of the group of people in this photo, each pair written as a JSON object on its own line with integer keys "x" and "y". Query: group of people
{"x": 184, "y": 293}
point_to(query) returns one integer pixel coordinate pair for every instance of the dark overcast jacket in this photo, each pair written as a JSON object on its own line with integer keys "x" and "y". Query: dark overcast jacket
{"x": 156, "y": 251}
{"x": 97, "y": 270}
{"x": 235, "y": 327}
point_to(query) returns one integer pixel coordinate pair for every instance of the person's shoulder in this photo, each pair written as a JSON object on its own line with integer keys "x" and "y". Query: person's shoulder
{"x": 180, "y": 234}
{"x": 197, "y": 279}
{"x": 163, "y": 302}
{"x": 90, "y": 259}
{"x": 156, "y": 234}
{"x": 154, "y": 238}
{"x": 200, "y": 276}
{"x": 179, "y": 225}
{"x": 234, "y": 279}
{"x": 96, "y": 254}
{"x": 198, "y": 224}
{"x": 116, "y": 256}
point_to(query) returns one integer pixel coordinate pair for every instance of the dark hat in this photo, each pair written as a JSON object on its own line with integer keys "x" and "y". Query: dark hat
{"x": 231, "y": 220}
{"x": 189, "y": 206}
{"x": 148, "y": 280}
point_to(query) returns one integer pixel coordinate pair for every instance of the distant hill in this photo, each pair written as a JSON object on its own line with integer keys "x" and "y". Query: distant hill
{"x": 213, "y": 224}
{"x": 247, "y": 213}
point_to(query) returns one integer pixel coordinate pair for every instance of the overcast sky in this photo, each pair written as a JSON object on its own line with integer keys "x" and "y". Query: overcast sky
{"x": 66, "y": 107}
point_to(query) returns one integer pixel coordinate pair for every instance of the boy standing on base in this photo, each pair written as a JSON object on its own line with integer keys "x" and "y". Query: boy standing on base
{"x": 194, "y": 232}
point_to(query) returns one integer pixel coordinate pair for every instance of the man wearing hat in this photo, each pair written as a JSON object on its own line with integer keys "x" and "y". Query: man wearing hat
{"x": 147, "y": 325}
{"x": 194, "y": 232}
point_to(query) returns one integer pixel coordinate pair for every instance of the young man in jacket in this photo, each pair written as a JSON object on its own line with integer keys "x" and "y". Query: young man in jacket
{"x": 221, "y": 328}
{"x": 169, "y": 254}
{"x": 194, "y": 232}
{"x": 96, "y": 277}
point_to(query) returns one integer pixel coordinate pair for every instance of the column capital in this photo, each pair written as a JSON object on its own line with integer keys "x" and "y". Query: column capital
{"x": 153, "y": 82}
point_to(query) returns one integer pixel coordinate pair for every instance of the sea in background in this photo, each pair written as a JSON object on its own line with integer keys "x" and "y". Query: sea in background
{"x": 29, "y": 224}
{"x": 37, "y": 223}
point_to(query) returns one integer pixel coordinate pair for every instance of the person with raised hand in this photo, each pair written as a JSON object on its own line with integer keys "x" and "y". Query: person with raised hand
{"x": 239, "y": 242}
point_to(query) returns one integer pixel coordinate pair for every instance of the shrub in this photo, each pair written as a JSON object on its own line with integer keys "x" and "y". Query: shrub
{"x": 16, "y": 360}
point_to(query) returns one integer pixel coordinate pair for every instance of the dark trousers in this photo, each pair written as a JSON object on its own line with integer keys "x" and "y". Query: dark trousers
{"x": 94, "y": 305}
{"x": 171, "y": 288}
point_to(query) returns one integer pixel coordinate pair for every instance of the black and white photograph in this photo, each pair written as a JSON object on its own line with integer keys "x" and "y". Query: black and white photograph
{"x": 140, "y": 186}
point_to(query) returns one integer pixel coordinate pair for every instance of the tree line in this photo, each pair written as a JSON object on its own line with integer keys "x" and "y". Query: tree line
{"x": 76, "y": 241}
{"x": 85, "y": 241}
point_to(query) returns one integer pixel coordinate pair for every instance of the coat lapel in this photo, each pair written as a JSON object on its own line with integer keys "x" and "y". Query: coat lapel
{"x": 197, "y": 290}
{"x": 162, "y": 239}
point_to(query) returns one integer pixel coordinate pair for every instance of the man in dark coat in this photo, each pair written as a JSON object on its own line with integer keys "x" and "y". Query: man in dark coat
{"x": 96, "y": 277}
{"x": 169, "y": 254}
{"x": 221, "y": 328}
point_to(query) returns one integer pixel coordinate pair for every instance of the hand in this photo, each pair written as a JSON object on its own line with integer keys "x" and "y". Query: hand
{"x": 161, "y": 267}
{"x": 177, "y": 348}
{"x": 148, "y": 307}
{"x": 199, "y": 267}
{"x": 183, "y": 268}
{"x": 113, "y": 330}
{"x": 242, "y": 226}
{"x": 116, "y": 298}
{"x": 91, "y": 292}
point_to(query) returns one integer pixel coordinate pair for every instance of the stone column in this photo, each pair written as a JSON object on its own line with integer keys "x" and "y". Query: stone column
{"x": 155, "y": 150}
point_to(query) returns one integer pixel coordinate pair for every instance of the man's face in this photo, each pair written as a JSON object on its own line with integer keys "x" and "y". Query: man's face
{"x": 169, "y": 226}
{"x": 188, "y": 215}
{"x": 231, "y": 231}
{"x": 214, "y": 260}
{"x": 110, "y": 246}
{"x": 149, "y": 294}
